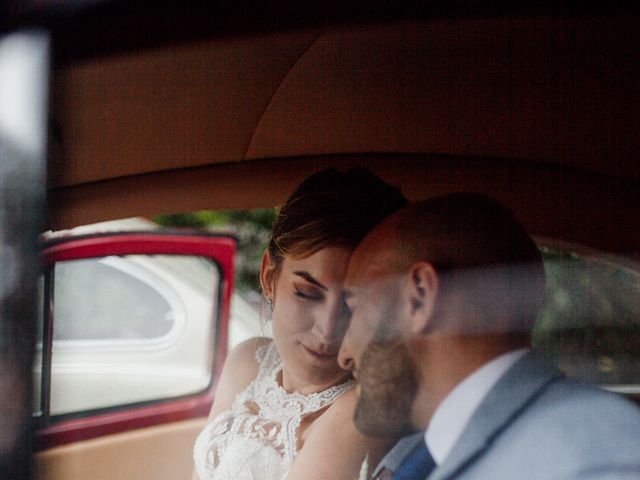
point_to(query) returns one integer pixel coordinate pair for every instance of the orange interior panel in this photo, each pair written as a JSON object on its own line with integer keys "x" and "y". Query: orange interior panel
{"x": 155, "y": 453}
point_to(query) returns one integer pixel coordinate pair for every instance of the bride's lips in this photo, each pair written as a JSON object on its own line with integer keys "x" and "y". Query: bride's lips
{"x": 319, "y": 354}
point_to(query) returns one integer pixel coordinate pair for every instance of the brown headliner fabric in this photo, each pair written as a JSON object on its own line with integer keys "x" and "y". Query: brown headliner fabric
{"x": 551, "y": 90}
{"x": 163, "y": 109}
{"x": 194, "y": 127}
{"x": 558, "y": 91}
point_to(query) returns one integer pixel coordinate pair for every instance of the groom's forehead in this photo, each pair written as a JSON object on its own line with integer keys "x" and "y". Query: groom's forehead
{"x": 368, "y": 273}
{"x": 373, "y": 260}
{"x": 366, "y": 260}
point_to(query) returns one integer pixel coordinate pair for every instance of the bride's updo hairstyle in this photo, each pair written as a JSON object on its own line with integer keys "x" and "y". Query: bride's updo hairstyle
{"x": 331, "y": 209}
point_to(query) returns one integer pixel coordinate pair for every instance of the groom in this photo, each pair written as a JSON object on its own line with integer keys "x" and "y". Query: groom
{"x": 443, "y": 297}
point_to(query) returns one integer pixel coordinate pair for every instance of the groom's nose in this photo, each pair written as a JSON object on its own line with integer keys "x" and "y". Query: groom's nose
{"x": 345, "y": 357}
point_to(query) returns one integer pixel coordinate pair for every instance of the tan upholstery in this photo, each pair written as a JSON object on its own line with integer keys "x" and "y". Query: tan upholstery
{"x": 155, "y": 453}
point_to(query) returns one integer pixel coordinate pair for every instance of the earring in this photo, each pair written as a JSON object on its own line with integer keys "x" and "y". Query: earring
{"x": 269, "y": 307}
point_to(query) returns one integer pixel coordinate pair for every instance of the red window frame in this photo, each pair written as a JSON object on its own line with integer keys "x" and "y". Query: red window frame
{"x": 221, "y": 249}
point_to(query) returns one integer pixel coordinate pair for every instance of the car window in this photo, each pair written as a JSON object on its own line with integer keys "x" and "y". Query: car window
{"x": 590, "y": 320}
{"x": 112, "y": 298}
{"x": 130, "y": 329}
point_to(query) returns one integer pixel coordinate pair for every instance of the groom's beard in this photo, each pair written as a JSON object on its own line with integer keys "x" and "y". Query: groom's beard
{"x": 387, "y": 385}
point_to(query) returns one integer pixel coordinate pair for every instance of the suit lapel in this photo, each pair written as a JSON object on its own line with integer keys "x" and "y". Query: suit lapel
{"x": 513, "y": 392}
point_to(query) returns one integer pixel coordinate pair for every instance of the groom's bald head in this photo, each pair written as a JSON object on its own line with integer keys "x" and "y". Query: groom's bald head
{"x": 490, "y": 270}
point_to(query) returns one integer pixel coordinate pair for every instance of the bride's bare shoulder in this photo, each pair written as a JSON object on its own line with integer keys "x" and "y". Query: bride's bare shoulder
{"x": 243, "y": 356}
{"x": 334, "y": 448}
{"x": 240, "y": 368}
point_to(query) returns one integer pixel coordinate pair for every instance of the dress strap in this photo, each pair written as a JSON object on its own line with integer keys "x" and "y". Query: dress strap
{"x": 268, "y": 358}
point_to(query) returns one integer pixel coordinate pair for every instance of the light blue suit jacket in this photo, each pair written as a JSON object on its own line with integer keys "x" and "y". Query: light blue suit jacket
{"x": 535, "y": 424}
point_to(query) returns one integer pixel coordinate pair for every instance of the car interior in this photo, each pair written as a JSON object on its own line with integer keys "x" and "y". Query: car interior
{"x": 167, "y": 107}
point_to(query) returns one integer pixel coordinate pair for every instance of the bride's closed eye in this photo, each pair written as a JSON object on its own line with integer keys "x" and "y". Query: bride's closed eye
{"x": 310, "y": 294}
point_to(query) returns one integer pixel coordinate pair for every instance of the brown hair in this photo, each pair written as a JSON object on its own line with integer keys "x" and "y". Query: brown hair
{"x": 331, "y": 208}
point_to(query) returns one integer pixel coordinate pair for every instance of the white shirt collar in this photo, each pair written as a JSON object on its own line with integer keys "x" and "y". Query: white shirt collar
{"x": 454, "y": 412}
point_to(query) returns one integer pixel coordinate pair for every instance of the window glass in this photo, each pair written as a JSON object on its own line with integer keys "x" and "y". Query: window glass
{"x": 131, "y": 329}
{"x": 590, "y": 322}
{"x": 112, "y": 298}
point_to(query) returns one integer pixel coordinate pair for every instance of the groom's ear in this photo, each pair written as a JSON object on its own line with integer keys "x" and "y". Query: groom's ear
{"x": 421, "y": 291}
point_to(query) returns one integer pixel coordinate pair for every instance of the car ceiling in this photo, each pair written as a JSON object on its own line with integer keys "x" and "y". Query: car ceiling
{"x": 541, "y": 110}
{"x": 537, "y": 89}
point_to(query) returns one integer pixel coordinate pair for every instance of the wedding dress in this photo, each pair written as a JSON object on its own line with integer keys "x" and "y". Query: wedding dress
{"x": 257, "y": 438}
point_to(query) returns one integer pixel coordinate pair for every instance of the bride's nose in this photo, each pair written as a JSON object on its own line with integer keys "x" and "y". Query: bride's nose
{"x": 330, "y": 325}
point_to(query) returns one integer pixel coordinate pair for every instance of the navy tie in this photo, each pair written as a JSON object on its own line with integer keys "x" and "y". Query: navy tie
{"x": 417, "y": 465}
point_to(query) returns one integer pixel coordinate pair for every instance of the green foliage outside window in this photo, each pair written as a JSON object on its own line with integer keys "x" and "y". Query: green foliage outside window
{"x": 590, "y": 320}
{"x": 253, "y": 228}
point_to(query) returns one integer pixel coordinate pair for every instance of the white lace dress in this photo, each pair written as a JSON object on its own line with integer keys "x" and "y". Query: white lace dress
{"x": 256, "y": 439}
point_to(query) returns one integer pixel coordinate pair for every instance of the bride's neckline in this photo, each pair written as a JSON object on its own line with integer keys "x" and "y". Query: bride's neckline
{"x": 277, "y": 378}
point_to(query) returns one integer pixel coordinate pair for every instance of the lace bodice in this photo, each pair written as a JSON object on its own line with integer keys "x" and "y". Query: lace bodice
{"x": 257, "y": 438}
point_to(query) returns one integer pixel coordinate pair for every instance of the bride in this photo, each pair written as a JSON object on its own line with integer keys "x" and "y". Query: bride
{"x": 283, "y": 408}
